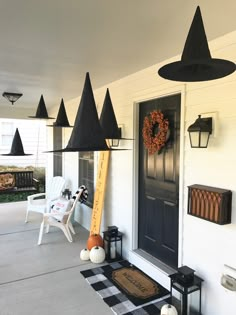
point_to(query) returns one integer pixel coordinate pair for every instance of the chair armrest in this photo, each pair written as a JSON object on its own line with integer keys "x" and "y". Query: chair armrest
{"x": 36, "y": 183}
{"x": 32, "y": 197}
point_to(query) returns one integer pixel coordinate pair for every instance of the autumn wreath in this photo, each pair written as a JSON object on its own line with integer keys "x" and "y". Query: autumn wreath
{"x": 155, "y": 131}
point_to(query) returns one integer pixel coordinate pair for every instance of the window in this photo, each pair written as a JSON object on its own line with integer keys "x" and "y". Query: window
{"x": 86, "y": 174}
{"x": 7, "y": 131}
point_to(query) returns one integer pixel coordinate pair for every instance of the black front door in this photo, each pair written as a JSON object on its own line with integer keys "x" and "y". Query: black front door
{"x": 159, "y": 185}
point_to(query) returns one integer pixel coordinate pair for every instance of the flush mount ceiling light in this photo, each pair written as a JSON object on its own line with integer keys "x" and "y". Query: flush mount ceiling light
{"x": 12, "y": 97}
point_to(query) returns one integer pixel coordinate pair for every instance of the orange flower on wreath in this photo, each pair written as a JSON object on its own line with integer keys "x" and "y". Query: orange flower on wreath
{"x": 155, "y": 131}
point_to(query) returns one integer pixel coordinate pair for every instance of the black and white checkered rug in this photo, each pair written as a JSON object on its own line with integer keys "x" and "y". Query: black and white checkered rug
{"x": 117, "y": 300}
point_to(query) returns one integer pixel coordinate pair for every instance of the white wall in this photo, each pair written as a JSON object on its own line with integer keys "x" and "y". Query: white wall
{"x": 204, "y": 246}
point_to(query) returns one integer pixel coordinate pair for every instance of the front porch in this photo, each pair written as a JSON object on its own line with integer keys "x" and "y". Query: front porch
{"x": 42, "y": 279}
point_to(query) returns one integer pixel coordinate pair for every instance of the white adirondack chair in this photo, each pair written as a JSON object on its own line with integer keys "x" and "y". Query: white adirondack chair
{"x": 62, "y": 220}
{"x": 43, "y": 205}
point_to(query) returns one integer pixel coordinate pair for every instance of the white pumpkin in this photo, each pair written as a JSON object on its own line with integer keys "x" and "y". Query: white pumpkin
{"x": 168, "y": 309}
{"x": 97, "y": 255}
{"x": 85, "y": 254}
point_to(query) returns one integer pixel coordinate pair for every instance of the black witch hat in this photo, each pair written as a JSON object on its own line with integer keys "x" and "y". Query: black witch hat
{"x": 108, "y": 120}
{"x": 41, "y": 112}
{"x": 17, "y": 147}
{"x": 196, "y": 63}
{"x": 62, "y": 120}
{"x": 87, "y": 134}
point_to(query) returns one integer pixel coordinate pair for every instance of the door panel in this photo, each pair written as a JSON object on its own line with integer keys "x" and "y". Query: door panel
{"x": 159, "y": 186}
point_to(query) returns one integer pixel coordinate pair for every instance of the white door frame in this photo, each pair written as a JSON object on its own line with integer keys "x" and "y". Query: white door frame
{"x": 174, "y": 90}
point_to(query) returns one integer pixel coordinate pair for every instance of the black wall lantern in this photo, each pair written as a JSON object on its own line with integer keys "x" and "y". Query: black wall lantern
{"x": 115, "y": 142}
{"x": 199, "y": 132}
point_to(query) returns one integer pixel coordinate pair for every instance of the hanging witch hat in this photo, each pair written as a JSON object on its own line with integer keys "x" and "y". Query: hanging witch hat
{"x": 41, "y": 112}
{"x": 108, "y": 120}
{"x": 87, "y": 134}
{"x": 62, "y": 120}
{"x": 17, "y": 147}
{"x": 196, "y": 63}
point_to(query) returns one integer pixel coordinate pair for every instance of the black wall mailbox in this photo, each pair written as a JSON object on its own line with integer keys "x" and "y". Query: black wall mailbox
{"x": 210, "y": 203}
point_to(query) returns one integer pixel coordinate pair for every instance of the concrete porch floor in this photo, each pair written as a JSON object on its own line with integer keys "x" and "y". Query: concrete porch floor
{"x": 42, "y": 279}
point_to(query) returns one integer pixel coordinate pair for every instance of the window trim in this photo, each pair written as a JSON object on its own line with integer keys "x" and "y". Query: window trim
{"x": 87, "y": 181}
{"x": 2, "y": 146}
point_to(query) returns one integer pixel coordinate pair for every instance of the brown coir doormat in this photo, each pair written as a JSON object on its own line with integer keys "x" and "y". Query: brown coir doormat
{"x": 126, "y": 289}
{"x": 139, "y": 287}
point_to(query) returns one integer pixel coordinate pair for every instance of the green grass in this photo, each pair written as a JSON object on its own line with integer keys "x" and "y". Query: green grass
{"x": 13, "y": 197}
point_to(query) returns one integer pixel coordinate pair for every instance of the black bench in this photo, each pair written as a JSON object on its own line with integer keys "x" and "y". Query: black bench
{"x": 18, "y": 181}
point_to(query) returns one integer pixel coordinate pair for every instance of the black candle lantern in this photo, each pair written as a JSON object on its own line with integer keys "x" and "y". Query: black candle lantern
{"x": 189, "y": 287}
{"x": 112, "y": 239}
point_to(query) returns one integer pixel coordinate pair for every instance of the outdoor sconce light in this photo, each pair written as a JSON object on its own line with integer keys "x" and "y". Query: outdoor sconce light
{"x": 12, "y": 97}
{"x": 116, "y": 141}
{"x": 199, "y": 132}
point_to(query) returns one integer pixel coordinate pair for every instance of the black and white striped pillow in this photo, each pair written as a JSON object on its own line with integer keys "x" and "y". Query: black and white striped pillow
{"x": 84, "y": 196}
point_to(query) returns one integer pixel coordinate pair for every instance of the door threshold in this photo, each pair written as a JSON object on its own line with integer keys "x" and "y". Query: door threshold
{"x": 155, "y": 262}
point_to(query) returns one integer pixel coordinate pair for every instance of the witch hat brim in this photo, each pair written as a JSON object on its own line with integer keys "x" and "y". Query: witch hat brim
{"x": 108, "y": 120}
{"x": 62, "y": 120}
{"x": 87, "y": 134}
{"x": 16, "y": 147}
{"x": 196, "y": 63}
{"x": 41, "y": 112}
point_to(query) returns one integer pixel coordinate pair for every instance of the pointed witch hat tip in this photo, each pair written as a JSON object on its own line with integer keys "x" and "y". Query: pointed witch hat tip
{"x": 17, "y": 146}
{"x": 41, "y": 112}
{"x": 87, "y": 134}
{"x": 196, "y": 63}
{"x": 108, "y": 120}
{"x": 62, "y": 119}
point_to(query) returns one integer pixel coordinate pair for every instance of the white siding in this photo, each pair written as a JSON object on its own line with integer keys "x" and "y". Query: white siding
{"x": 204, "y": 246}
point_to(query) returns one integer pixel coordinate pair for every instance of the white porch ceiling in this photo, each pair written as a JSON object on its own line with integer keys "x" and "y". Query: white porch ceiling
{"x": 47, "y": 46}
